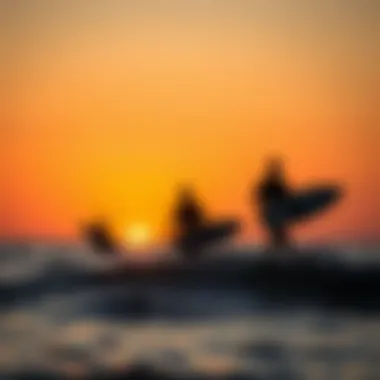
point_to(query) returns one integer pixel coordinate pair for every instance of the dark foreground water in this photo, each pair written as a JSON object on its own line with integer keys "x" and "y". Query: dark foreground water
{"x": 65, "y": 313}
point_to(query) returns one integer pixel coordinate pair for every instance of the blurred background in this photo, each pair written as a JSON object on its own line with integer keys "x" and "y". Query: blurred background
{"x": 107, "y": 106}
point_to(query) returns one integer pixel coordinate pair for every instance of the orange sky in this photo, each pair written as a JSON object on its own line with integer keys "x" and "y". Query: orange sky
{"x": 109, "y": 105}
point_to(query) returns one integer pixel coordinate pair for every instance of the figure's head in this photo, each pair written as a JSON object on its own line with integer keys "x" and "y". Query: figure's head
{"x": 186, "y": 192}
{"x": 275, "y": 167}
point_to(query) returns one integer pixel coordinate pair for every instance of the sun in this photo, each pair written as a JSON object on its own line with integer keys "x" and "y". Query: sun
{"x": 138, "y": 235}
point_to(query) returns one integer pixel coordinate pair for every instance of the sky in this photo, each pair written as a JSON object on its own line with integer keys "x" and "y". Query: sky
{"x": 107, "y": 106}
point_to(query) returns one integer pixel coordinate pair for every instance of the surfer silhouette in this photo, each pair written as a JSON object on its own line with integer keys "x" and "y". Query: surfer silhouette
{"x": 98, "y": 234}
{"x": 189, "y": 213}
{"x": 195, "y": 231}
{"x": 273, "y": 190}
{"x": 282, "y": 207}
{"x": 274, "y": 186}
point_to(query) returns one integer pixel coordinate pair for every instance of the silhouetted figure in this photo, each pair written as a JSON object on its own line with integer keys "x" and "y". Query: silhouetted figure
{"x": 99, "y": 235}
{"x": 274, "y": 186}
{"x": 193, "y": 229}
{"x": 189, "y": 214}
{"x": 282, "y": 208}
{"x": 272, "y": 192}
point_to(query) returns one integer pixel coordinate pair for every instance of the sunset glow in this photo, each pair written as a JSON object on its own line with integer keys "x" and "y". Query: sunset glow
{"x": 138, "y": 235}
{"x": 109, "y": 106}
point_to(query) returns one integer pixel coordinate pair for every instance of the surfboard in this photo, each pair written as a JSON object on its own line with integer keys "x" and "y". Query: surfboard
{"x": 207, "y": 235}
{"x": 303, "y": 205}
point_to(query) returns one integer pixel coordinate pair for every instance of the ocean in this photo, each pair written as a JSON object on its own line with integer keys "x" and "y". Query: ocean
{"x": 66, "y": 313}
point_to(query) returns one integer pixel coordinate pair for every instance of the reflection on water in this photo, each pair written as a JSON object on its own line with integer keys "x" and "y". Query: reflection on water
{"x": 266, "y": 345}
{"x": 65, "y": 334}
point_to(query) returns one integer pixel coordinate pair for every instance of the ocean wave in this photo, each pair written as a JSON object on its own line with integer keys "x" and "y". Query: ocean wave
{"x": 315, "y": 277}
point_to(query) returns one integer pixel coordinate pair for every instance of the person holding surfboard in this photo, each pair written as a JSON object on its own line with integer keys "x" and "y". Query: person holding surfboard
{"x": 282, "y": 207}
{"x": 194, "y": 231}
{"x": 99, "y": 235}
{"x": 189, "y": 213}
{"x": 273, "y": 190}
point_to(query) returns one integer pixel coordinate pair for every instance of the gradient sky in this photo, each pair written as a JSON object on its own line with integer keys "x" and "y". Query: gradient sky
{"x": 108, "y": 105}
